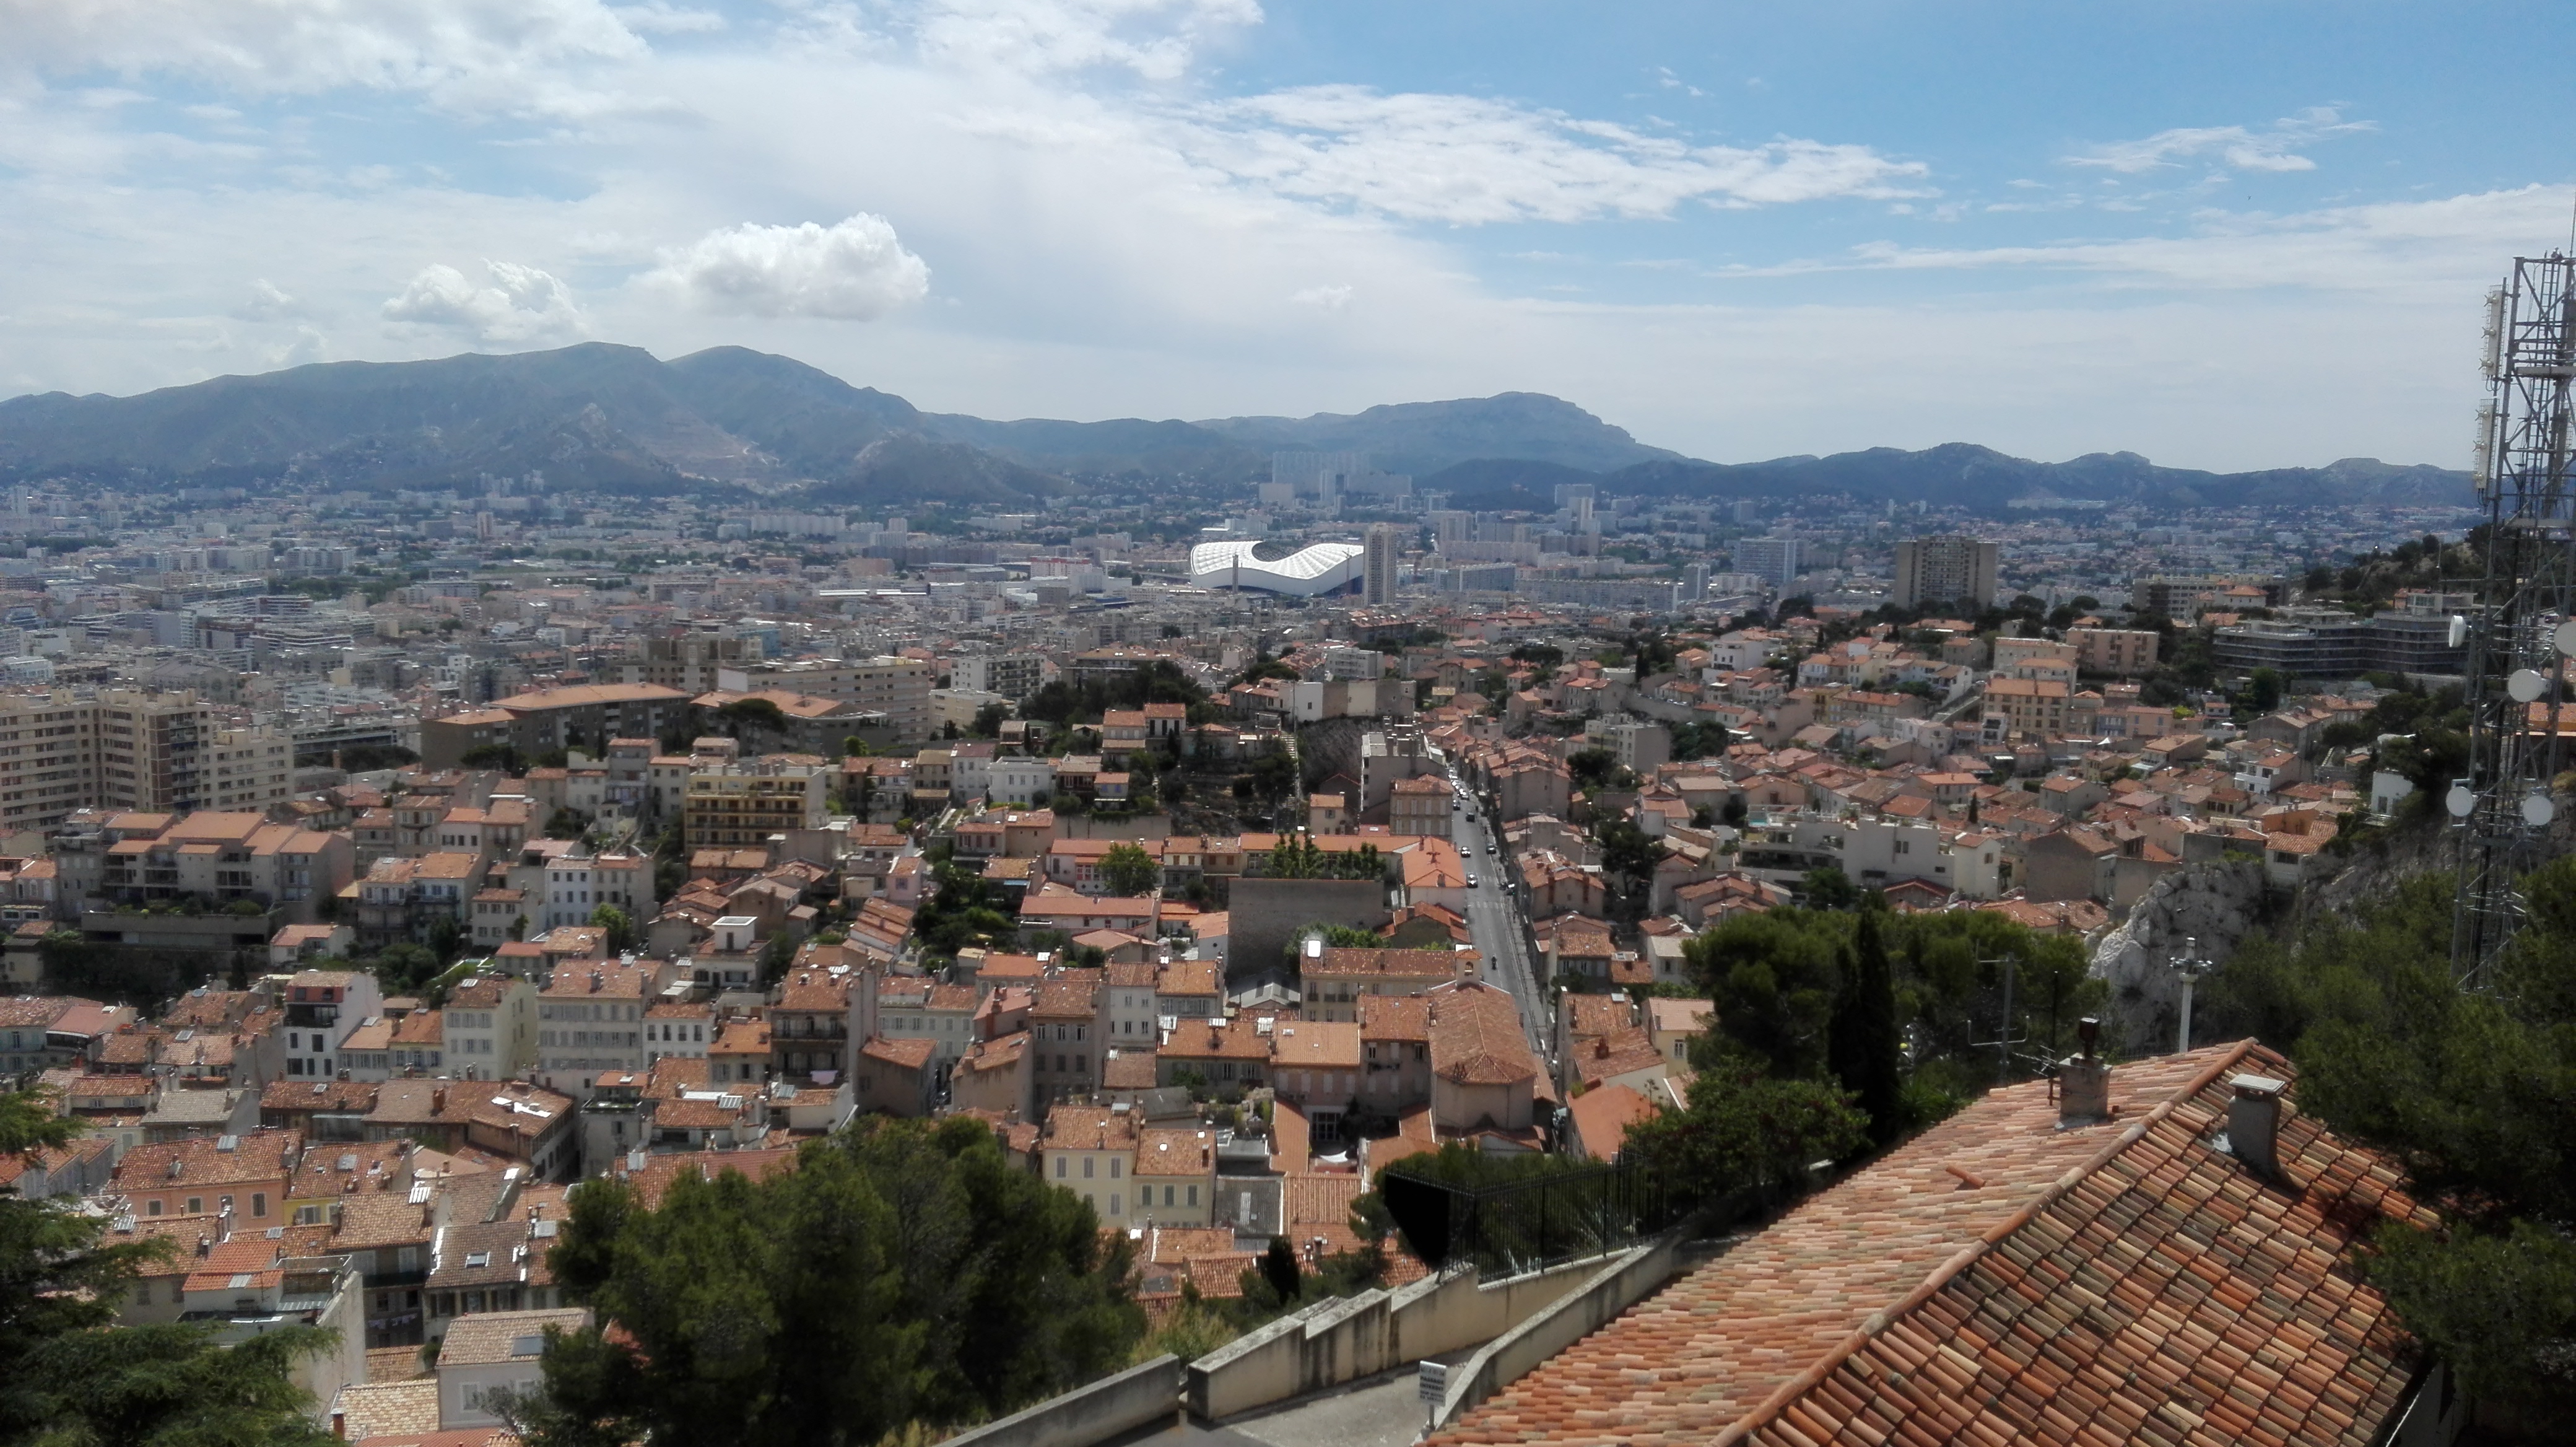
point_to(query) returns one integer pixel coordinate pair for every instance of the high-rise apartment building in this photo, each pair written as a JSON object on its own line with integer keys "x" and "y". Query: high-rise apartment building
{"x": 132, "y": 751}
{"x": 894, "y": 686}
{"x": 689, "y": 662}
{"x": 1012, "y": 675}
{"x": 1377, "y": 567}
{"x": 1945, "y": 569}
{"x": 1776, "y": 560}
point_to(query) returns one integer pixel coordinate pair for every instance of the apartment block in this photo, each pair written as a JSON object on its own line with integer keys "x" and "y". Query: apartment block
{"x": 1945, "y": 569}
{"x": 128, "y": 749}
{"x": 1012, "y": 675}
{"x": 739, "y": 805}
{"x": 2120, "y": 652}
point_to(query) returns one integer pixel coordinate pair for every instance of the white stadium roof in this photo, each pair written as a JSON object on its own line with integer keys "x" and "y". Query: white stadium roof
{"x": 1312, "y": 569}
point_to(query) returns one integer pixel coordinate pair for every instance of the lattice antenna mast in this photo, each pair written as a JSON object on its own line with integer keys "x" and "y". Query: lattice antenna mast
{"x": 2519, "y": 630}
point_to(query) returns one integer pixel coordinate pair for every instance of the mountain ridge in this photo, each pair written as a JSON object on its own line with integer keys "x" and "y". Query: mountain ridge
{"x": 734, "y": 423}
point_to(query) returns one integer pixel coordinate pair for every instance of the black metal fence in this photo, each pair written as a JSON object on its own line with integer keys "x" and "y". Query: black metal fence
{"x": 1519, "y": 1225}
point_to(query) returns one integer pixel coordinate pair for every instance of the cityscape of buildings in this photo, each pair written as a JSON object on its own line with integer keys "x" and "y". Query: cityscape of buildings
{"x": 650, "y": 804}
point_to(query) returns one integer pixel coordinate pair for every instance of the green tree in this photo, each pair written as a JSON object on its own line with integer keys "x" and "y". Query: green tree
{"x": 68, "y": 1376}
{"x": 1864, "y": 1049}
{"x": 1629, "y": 856}
{"x": 620, "y": 929}
{"x": 903, "y": 1272}
{"x": 1826, "y": 887}
{"x": 2473, "y": 1092}
{"x": 1775, "y": 977}
{"x": 1128, "y": 870}
{"x": 1744, "y": 1130}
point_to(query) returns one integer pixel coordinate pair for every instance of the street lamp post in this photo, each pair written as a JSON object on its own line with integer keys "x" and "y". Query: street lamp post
{"x": 2191, "y": 967}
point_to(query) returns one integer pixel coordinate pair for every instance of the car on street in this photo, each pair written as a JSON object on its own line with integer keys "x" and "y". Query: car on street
{"x": 1471, "y": 881}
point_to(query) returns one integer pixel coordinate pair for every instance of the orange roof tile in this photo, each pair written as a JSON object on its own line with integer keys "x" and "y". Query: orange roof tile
{"x": 2000, "y": 1279}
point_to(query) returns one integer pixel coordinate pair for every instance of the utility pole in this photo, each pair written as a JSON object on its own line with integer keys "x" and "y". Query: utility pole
{"x": 2004, "y": 1040}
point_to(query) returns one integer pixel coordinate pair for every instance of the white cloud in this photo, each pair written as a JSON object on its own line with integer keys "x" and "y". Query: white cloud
{"x": 1155, "y": 39}
{"x": 1324, "y": 298}
{"x": 1466, "y": 160}
{"x": 854, "y": 270}
{"x": 509, "y": 54}
{"x": 2273, "y": 149}
{"x": 522, "y": 304}
{"x": 268, "y": 303}
{"x": 2427, "y": 250}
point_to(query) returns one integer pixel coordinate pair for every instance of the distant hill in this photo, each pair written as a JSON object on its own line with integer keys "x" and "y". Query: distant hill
{"x": 1961, "y": 474}
{"x": 1503, "y": 484}
{"x": 734, "y": 422}
{"x": 1424, "y": 437}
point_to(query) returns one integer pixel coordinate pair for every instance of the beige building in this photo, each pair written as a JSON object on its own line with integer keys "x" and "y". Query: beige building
{"x": 1333, "y": 980}
{"x": 1422, "y": 805}
{"x": 1175, "y": 1175}
{"x": 490, "y": 1027}
{"x": 1091, "y": 1150}
{"x": 590, "y": 1020}
{"x": 2120, "y": 652}
{"x": 128, "y": 749}
{"x": 1945, "y": 569}
{"x": 899, "y": 688}
{"x": 739, "y": 805}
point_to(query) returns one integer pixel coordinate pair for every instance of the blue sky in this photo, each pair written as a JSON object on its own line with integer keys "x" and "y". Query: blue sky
{"x": 2223, "y": 235}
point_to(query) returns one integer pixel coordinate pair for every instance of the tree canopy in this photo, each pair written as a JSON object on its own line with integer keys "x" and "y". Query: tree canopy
{"x": 68, "y": 1375}
{"x": 2472, "y": 1091}
{"x": 1129, "y": 871}
{"x": 902, "y": 1273}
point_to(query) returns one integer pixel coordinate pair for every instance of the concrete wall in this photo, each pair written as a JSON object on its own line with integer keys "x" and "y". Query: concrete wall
{"x": 1343, "y": 1340}
{"x": 1086, "y": 1415}
{"x": 1612, "y": 1289}
{"x": 1264, "y": 913}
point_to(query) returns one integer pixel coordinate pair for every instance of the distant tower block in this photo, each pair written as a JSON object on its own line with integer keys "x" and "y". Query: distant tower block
{"x": 1945, "y": 569}
{"x": 1377, "y": 571}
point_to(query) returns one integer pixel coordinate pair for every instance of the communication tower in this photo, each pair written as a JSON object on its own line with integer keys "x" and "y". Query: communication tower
{"x": 2521, "y": 628}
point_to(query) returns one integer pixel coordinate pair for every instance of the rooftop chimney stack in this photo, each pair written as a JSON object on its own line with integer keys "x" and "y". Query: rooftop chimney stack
{"x": 2254, "y": 1123}
{"x": 2084, "y": 1081}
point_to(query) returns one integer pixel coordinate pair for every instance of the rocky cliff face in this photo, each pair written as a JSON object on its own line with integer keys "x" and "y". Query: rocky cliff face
{"x": 2213, "y": 905}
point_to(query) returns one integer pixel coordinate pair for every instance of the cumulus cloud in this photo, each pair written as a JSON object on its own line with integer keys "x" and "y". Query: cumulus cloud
{"x": 2234, "y": 147}
{"x": 268, "y": 302}
{"x": 854, "y": 270}
{"x": 521, "y": 304}
{"x": 1324, "y": 298}
{"x": 1466, "y": 160}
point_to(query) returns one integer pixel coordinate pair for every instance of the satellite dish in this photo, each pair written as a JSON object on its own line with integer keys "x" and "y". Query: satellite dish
{"x": 2538, "y": 809}
{"x": 2565, "y": 638}
{"x": 2460, "y": 631}
{"x": 2460, "y": 801}
{"x": 2526, "y": 685}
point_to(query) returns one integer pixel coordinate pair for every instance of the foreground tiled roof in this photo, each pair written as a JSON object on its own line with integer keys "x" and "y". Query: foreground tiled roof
{"x": 2001, "y": 1280}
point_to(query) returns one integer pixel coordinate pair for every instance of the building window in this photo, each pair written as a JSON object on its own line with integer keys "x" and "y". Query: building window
{"x": 1087, "y": 1163}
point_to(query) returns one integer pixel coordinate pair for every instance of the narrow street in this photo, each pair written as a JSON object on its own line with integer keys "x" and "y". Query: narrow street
{"x": 1494, "y": 919}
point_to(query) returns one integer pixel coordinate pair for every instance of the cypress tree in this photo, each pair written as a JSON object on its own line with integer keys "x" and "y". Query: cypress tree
{"x": 1863, "y": 1048}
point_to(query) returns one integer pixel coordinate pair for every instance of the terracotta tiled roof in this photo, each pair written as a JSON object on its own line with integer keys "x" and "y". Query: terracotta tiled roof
{"x": 2000, "y": 1279}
